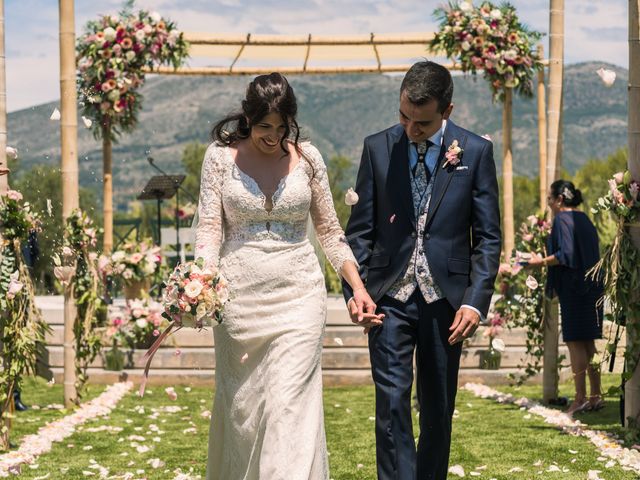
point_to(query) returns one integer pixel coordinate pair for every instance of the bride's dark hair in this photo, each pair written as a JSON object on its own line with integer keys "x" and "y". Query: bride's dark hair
{"x": 265, "y": 94}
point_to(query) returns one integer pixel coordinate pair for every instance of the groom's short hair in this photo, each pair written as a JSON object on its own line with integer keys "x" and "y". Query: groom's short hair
{"x": 427, "y": 81}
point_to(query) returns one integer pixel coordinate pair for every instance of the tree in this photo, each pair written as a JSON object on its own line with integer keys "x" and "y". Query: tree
{"x": 192, "y": 157}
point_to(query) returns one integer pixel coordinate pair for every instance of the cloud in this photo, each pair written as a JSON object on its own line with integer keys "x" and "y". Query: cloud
{"x": 32, "y": 47}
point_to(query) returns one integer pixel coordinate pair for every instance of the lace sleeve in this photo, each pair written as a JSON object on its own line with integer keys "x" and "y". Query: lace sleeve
{"x": 323, "y": 214}
{"x": 209, "y": 228}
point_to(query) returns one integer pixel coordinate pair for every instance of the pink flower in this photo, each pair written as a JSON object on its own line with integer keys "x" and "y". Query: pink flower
{"x": 633, "y": 189}
{"x": 136, "y": 257}
{"x": 453, "y": 154}
{"x": 528, "y": 237}
{"x": 171, "y": 393}
{"x": 619, "y": 177}
{"x": 14, "y": 195}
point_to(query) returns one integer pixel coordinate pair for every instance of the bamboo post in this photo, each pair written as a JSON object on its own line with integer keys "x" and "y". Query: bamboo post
{"x": 107, "y": 188}
{"x": 554, "y": 162}
{"x": 632, "y": 387}
{"x": 69, "y": 168}
{"x": 507, "y": 174}
{"x": 556, "y": 73}
{"x": 4, "y": 177}
{"x": 542, "y": 134}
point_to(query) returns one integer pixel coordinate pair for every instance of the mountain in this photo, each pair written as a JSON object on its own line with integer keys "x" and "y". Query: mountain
{"x": 336, "y": 112}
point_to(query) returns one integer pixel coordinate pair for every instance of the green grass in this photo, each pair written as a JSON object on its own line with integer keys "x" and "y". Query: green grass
{"x": 485, "y": 433}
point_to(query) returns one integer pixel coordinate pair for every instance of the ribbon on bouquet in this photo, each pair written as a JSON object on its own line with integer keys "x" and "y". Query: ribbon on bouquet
{"x": 152, "y": 351}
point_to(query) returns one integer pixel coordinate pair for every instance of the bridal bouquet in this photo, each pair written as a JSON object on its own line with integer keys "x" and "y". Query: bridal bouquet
{"x": 192, "y": 295}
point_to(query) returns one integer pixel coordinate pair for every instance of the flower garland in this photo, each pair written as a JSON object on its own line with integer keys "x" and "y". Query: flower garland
{"x": 618, "y": 268}
{"x": 627, "y": 458}
{"x": 112, "y": 56}
{"x": 521, "y": 301}
{"x": 78, "y": 273}
{"x": 21, "y": 324}
{"x": 490, "y": 38}
{"x": 33, "y": 446}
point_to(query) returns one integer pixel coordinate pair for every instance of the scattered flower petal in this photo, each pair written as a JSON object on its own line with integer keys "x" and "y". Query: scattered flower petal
{"x": 607, "y": 76}
{"x": 457, "y": 470}
{"x": 55, "y": 115}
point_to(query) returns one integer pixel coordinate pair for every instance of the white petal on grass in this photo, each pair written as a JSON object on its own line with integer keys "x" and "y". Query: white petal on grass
{"x": 456, "y": 470}
{"x": 515, "y": 470}
{"x": 55, "y": 115}
{"x": 553, "y": 468}
{"x": 573, "y": 451}
{"x": 360, "y": 466}
{"x": 244, "y": 358}
{"x": 475, "y": 474}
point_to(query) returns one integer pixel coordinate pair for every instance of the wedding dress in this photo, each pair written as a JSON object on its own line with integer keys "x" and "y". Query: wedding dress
{"x": 267, "y": 421}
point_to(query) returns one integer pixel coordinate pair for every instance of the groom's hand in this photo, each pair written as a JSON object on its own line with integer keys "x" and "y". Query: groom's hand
{"x": 362, "y": 310}
{"x": 464, "y": 325}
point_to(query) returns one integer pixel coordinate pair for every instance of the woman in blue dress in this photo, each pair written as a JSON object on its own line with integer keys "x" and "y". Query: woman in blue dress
{"x": 572, "y": 250}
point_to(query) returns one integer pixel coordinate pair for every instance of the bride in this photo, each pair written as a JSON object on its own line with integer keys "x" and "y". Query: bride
{"x": 259, "y": 185}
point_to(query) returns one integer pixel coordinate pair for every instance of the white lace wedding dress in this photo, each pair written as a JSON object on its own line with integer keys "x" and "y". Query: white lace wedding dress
{"x": 267, "y": 420}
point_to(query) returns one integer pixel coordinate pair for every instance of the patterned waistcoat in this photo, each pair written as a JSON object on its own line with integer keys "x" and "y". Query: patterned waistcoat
{"x": 417, "y": 272}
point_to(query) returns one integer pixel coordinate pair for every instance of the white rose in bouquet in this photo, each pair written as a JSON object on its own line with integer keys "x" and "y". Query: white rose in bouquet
{"x": 193, "y": 289}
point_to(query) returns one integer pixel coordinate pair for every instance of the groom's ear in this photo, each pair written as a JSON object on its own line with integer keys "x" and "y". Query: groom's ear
{"x": 447, "y": 112}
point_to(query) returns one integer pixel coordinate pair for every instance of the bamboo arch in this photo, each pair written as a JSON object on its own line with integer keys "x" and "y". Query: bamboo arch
{"x": 315, "y": 55}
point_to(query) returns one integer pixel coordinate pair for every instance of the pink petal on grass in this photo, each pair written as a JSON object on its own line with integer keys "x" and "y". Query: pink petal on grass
{"x": 171, "y": 393}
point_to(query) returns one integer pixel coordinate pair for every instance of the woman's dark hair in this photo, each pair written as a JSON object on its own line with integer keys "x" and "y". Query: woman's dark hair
{"x": 571, "y": 196}
{"x": 428, "y": 81}
{"x": 265, "y": 94}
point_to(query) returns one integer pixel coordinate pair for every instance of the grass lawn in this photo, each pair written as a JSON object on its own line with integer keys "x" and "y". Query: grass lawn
{"x": 139, "y": 430}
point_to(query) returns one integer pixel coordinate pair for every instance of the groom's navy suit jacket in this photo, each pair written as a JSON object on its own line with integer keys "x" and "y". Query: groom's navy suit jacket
{"x": 462, "y": 233}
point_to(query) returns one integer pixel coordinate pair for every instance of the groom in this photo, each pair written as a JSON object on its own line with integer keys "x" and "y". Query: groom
{"x": 426, "y": 233}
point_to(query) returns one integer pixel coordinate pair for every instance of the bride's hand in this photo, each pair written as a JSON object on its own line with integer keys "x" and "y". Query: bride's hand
{"x": 362, "y": 310}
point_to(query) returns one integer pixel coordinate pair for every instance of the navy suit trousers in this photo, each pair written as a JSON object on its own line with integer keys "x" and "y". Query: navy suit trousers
{"x": 423, "y": 328}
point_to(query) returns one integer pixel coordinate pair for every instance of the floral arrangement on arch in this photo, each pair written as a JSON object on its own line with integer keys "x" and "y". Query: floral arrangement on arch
{"x": 113, "y": 55}
{"x": 490, "y": 38}
{"x": 21, "y": 326}
{"x": 618, "y": 266}
{"x": 521, "y": 300}
{"x": 77, "y": 270}
{"x": 134, "y": 262}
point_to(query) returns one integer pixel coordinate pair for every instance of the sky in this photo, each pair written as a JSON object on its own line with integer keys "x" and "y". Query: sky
{"x": 594, "y": 29}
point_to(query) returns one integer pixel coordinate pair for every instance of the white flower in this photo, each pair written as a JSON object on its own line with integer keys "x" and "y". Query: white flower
{"x": 498, "y": 344}
{"x": 127, "y": 274}
{"x": 607, "y": 76}
{"x": 531, "y": 282}
{"x": 174, "y": 34}
{"x": 87, "y": 121}
{"x": 118, "y": 256}
{"x": 109, "y": 34}
{"x": 130, "y": 55}
{"x": 201, "y": 311}
{"x": 466, "y": 6}
{"x": 193, "y": 289}
{"x": 55, "y": 115}
{"x": 496, "y": 14}
{"x": 533, "y": 220}
{"x": 12, "y": 152}
{"x": 15, "y": 285}
{"x": 486, "y": 136}
{"x": 465, "y": 45}
{"x": 155, "y": 16}
{"x": 142, "y": 323}
{"x": 351, "y": 197}
{"x": 140, "y": 35}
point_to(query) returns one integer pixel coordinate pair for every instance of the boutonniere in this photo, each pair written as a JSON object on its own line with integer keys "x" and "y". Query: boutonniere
{"x": 454, "y": 152}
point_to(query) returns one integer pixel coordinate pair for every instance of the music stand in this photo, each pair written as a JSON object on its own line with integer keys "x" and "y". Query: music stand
{"x": 164, "y": 187}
